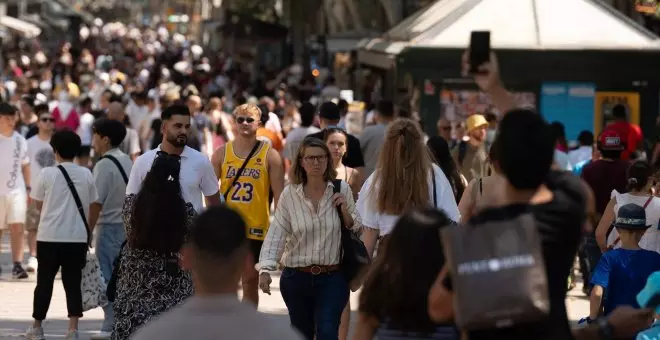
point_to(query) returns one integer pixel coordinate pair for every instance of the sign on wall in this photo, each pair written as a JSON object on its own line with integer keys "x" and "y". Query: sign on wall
{"x": 572, "y": 104}
{"x": 605, "y": 101}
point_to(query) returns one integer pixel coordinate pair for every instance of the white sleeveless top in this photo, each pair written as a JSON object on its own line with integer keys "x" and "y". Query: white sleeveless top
{"x": 651, "y": 239}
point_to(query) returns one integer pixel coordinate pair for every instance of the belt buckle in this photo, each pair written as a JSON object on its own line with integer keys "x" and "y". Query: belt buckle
{"x": 315, "y": 270}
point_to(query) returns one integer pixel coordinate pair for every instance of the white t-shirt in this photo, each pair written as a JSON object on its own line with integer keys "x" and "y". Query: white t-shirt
{"x": 60, "y": 219}
{"x": 41, "y": 156}
{"x": 197, "y": 176}
{"x": 273, "y": 123}
{"x": 136, "y": 114}
{"x": 366, "y": 204}
{"x": 85, "y": 128}
{"x": 13, "y": 155}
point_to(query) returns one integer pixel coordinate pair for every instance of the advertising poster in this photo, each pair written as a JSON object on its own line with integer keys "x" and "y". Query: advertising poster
{"x": 572, "y": 104}
{"x": 457, "y": 105}
{"x": 604, "y": 103}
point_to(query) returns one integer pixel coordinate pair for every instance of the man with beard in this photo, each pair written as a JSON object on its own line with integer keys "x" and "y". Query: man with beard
{"x": 197, "y": 176}
{"x": 248, "y": 192}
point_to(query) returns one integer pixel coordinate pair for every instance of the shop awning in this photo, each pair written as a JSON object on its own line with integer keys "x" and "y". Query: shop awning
{"x": 27, "y": 29}
{"x": 515, "y": 24}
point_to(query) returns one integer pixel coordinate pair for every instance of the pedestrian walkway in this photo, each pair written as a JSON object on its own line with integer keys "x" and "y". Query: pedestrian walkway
{"x": 16, "y": 305}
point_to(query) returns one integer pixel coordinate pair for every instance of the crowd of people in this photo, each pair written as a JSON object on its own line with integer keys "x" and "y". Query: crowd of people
{"x": 171, "y": 166}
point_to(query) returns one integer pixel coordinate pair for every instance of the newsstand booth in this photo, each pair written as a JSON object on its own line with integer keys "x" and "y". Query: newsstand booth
{"x": 572, "y": 60}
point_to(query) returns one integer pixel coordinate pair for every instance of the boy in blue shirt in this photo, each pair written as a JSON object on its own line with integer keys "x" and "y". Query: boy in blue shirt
{"x": 622, "y": 273}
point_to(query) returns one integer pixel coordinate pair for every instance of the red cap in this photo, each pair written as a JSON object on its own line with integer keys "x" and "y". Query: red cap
{"x": 610, "y": 140}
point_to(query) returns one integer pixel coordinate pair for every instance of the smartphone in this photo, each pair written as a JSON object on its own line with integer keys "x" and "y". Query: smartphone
{"x": 479, "y": 49}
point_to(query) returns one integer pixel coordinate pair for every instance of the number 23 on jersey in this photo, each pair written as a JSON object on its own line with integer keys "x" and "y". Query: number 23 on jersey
{"x": 242, "y": 192}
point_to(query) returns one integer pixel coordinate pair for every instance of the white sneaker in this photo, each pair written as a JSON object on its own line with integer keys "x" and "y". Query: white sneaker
{"x": 35, "y": 333}
{"x": 102, "y": 336}
{"x": 32, "y": 264}
{"x": 73, "y": 335}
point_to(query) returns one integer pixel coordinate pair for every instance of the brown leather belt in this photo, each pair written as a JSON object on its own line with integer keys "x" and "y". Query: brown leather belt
{"x": 316, "y": 269}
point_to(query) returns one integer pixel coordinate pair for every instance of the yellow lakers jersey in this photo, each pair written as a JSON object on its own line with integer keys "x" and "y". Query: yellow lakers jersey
{"x": 249, "y": 195}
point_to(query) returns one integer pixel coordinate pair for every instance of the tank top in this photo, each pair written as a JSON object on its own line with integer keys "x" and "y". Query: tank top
{"x": 249, "y": 195}
{"x": 651, "y": 238}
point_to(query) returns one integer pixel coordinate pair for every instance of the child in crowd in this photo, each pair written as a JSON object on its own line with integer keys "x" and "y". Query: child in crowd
{"x": 622, "y": 273}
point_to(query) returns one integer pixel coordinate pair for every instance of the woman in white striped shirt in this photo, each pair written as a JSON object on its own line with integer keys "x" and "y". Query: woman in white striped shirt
{"x": 305, "y": 237}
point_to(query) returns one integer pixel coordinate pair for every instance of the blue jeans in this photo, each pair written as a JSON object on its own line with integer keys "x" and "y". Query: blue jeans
{"x": 108, "y": 243}
{"x": 315, "y": 302}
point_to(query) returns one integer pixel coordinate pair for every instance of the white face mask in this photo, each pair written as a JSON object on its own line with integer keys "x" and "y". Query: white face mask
{"x": 490, "y": 135}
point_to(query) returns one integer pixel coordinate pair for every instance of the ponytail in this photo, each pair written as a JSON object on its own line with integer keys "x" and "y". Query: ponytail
{"x": 638, "y": 175}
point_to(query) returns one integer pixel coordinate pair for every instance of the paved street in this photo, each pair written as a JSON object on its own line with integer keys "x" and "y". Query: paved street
{"x": 16, "y": 306}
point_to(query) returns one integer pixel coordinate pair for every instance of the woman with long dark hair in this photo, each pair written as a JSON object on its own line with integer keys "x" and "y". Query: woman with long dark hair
{"x": 394, "y": 299}
{"x": 440, "y": 150}
{"x": 157, "y": 220}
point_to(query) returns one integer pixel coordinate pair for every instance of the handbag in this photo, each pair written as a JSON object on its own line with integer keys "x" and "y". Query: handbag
{"x": 355, "y": 257}
{"x": 92, "y": 285}
{"x": 497, "y": 272}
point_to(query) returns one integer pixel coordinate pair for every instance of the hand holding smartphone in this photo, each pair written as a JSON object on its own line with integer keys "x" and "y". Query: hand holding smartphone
{"x": 479, "y": 52}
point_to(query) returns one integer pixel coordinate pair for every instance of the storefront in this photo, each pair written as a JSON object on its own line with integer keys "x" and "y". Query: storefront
{"x": 539, "y": 46}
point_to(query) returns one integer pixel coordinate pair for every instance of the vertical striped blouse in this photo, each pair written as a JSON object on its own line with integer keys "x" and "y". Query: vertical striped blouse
{"x": 300, "y": 237}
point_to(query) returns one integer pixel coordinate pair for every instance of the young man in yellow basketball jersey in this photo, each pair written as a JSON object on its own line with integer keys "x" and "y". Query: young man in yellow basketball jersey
{"x": 249, "y": 193}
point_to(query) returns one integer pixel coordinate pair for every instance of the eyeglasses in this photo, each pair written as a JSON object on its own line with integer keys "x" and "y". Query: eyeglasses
{"x": 241, "y": 120}
{"x": 445, "y": 128}
{"x": 47, "y": 120}
{"x": 315, "y": 159}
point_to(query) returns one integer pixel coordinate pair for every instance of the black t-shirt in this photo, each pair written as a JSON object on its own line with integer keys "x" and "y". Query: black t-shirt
{"x": 353, "y": 157}
{"x": 603, "y": 176}
{"x": 560, "y": 226}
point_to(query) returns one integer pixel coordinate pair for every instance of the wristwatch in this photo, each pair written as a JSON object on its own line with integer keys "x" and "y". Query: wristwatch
{"x": 605, "y": 329}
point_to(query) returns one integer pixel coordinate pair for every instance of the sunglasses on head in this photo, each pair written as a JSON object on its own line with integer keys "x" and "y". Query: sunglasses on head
{"x": 241, "y": 120}
{"x": 47, "y": 120}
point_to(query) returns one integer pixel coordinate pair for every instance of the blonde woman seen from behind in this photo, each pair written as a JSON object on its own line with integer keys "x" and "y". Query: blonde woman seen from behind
{"x": 405, "y": 177}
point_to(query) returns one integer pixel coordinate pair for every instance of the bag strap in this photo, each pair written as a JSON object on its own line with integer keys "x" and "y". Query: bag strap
{"x": 435, "y": 194}
{"x": 618, "y": 238}
{"x": 76, "y": 198}
{"x": 240, "y": 170}
{"x": 462, "y": 150}
{"x": 336, "y": 188}
{"x": 121, "y": 169}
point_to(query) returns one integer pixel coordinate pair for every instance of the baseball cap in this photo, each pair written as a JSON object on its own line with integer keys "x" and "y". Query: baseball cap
{"x": 329, "y": 111}
{"x": 610, "y": 140}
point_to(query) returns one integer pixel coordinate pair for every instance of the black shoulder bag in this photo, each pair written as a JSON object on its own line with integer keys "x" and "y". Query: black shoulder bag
{"x": 76, "y": 198}
{"x": 355, "y": 256}
{"x": 240, "y": 170}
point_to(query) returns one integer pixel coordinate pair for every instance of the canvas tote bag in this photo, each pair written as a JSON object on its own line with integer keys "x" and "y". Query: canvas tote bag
{"x": 498, "y": 273}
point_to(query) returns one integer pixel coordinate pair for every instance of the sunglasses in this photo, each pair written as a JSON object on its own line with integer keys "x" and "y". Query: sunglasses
{"x": 47, "y": 120}
{"x": 241, "y": 120}
{"x": 445, "y": 128}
